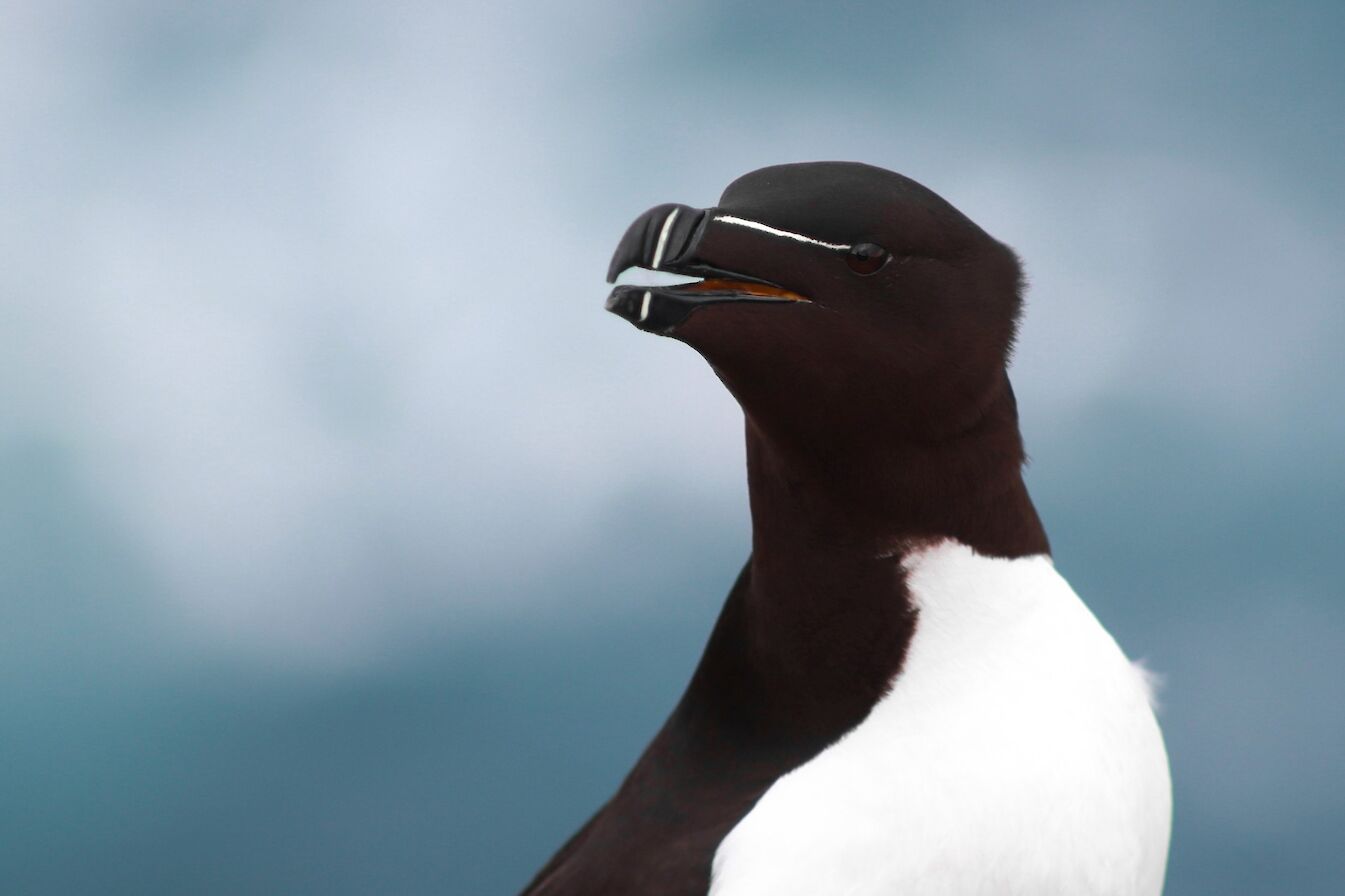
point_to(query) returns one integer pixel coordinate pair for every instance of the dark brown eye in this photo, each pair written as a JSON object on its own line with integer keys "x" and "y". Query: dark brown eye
{"x": 866, "y": 258}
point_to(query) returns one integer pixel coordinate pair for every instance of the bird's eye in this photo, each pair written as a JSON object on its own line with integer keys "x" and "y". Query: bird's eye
{"x": 866, "y": 258}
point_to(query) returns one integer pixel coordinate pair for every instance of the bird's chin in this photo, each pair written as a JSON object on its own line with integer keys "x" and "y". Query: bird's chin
{"x": 661, "y": 309}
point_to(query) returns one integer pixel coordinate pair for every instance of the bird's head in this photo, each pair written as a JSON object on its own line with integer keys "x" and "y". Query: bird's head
{"x": 839, "y": 302}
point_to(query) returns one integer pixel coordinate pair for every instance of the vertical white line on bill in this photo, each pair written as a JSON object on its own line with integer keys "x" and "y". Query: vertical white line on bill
{"x": 663, "y": 238}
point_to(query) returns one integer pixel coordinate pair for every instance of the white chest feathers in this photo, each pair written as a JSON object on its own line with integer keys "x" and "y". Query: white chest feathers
{"x": 1016, "y": 753}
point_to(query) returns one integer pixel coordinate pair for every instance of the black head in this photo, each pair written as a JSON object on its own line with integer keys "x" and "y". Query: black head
{"x": 841, "y": 303}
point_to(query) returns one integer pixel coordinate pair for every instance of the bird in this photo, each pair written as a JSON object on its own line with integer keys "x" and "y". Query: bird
{"x": 901, "y": 694}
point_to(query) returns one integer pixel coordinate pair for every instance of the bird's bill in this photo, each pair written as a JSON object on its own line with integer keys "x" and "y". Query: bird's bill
{"x": 678, "y": 239}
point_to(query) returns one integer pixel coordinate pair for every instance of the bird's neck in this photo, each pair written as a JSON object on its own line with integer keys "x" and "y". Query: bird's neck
{"x": 829, "y": 532}
{"x": 871, "y": 500}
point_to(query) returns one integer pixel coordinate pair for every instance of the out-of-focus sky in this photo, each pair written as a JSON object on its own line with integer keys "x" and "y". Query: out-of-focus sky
{"x": 347, "y": 546}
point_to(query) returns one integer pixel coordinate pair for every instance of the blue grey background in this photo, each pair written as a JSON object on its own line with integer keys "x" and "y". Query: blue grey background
{"x": 347, "y": 546}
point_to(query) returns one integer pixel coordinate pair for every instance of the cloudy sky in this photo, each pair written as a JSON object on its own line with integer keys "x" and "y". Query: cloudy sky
{"x": 346, "y": 545}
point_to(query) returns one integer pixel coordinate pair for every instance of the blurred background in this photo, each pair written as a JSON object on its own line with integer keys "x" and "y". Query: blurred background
{"x": 348, "y": 546}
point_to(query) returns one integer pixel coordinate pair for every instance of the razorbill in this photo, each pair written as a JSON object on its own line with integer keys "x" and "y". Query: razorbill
{"x": 901, "y": 695}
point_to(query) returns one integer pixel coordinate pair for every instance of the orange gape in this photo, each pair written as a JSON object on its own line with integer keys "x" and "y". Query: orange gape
{"x": 743, "y": 287}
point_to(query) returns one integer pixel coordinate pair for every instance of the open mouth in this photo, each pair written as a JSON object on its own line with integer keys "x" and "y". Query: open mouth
{"x": 660, "y": 308}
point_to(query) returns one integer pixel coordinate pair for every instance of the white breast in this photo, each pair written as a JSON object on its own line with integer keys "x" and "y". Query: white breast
{"x": 1016, "y": 753}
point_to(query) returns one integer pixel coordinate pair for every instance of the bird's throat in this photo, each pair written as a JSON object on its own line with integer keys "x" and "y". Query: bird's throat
{"x": 830, "y": 532}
